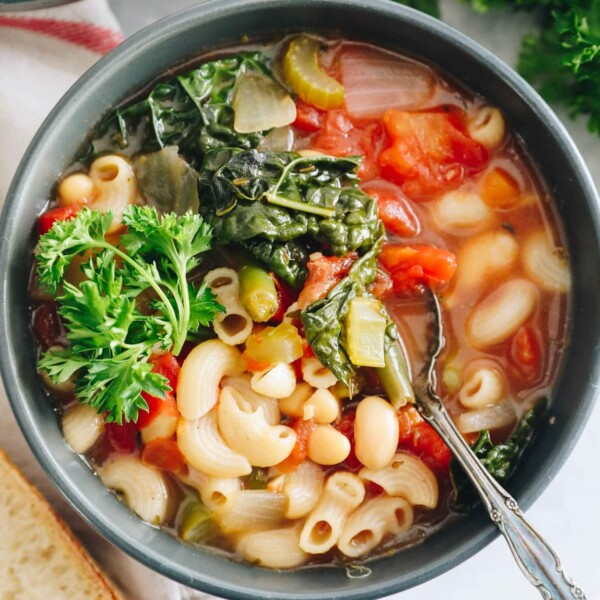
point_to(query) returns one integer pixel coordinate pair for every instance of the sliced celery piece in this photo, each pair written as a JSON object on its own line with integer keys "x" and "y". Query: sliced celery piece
{"x": 365, "y": 333}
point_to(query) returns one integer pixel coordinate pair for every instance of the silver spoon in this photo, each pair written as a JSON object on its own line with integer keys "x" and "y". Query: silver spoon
{"x": 536, "y": 558}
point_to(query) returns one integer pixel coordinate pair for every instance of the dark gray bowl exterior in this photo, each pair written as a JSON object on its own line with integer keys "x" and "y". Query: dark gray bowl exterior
{"x": 146, "y": 56}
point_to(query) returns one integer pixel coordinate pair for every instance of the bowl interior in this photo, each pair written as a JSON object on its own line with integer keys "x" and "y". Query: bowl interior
{"x": 177, "y": 39}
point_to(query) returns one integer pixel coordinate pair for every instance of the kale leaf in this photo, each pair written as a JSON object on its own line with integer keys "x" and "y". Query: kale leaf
{"x": 279, "y": 205}
{"x": 500, "y": 460}
{"x": 324, "y": 320}
{"x": 192, "y": 111}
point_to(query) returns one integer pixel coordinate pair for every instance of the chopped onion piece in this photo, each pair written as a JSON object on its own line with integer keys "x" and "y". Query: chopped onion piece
{"x": 280, "y": 139}
{"x": 259, "y": 103}
{"x": 375, "y": 81}
{"x": 491, "y": 417}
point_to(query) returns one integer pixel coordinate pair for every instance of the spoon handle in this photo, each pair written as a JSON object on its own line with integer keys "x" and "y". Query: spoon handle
{"x": 537, "y": 559}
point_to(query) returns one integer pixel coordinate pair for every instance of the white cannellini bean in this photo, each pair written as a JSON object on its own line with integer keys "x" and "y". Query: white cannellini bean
{"x": 545, "y": 264}
{"x": 461, "y": 209}
{"x": 500, "y": 314}
{"x": 322, "y": 406}
{"x": 293, "y": 405}
{"x": 77, "y": 188}
{"x": 327, "y": 446}
{"x": 376, "y": 432}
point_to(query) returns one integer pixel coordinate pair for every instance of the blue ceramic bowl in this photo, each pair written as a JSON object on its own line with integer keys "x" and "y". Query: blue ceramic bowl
{"x": 177, "y": 39}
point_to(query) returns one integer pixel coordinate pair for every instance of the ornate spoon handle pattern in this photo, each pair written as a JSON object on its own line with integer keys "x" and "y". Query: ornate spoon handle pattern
{"x": 537, "y": 559}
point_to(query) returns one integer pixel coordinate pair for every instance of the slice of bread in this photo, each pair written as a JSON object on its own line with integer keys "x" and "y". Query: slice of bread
{"x": 40, "y": 559}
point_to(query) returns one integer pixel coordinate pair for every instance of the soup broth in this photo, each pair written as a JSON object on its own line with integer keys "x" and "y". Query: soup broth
{"x": 245, "y": 383}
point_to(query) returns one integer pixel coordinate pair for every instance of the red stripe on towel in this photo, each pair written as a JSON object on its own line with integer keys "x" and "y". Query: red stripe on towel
{"x": 94, "y": 38}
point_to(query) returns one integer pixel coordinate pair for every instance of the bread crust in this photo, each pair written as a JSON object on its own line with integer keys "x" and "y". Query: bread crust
{"x": 39, "y": 555}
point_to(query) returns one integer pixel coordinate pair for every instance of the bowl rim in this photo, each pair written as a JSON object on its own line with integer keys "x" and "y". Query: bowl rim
{"x": 128, "y": 51}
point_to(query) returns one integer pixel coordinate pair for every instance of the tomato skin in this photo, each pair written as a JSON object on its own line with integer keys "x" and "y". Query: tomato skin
{"x": 303, "y": 429}
{"x": 164, "y": 455}
{"x": 394, "y": 210}
{"x": 287, "y": 296}
{"x": 346, "y": 427}
{"x": 341, "y": 136}
{"x": 62, "y": 213}
{"x": 323, "y": 274}
{"x": 382, "y": 286}
{"x": 308, "y": 118}
{"x": 411, "y": 267}
{"x": 122, "y": 438}
{"x": 526, "y": 352}
{"x": 430, "y": 152}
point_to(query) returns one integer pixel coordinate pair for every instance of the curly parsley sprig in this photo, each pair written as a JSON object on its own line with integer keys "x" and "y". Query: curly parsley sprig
{"x": 111, "y": 339}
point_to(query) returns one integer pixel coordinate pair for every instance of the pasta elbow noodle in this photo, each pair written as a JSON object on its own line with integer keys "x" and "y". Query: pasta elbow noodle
{"x": 233, "y": 326}
{"x": 115, "y": 187}
{"x": 545, "y": 264}
{"x": 144, "y": 489}
{"x": 343, "y": 492}
{"x": 275, "y": 549}
{"x": 406, "y": 476}
{"x": 82, "y": 426}
{"x": 376, "y": 432}
{"x": 315, "y": 374}
{"x": 499, "y": 315}
{"x": 303, "y": 486}
{"x": 371, "y": 522}
{"x": 278, "y": 381}
{"x": 270, "y": 406}
{"x": 201, "y": 374}
{"x": 203, "y": 447}
{"x": 490, "y": 417}
{"x": 481, "y": 388}
{"x": 487, "y": 127}
{"x": 293, "y": 405}
{"x": 246, "y": 431}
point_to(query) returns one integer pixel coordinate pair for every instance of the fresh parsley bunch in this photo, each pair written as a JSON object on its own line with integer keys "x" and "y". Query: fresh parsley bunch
{"x": 111, "y": 335}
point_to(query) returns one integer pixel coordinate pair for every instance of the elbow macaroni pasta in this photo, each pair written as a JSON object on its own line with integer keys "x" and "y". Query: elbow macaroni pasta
{"x": 303, "y": 486}
{"x": 82, "y": 426}
{"x": 275, "y": 549}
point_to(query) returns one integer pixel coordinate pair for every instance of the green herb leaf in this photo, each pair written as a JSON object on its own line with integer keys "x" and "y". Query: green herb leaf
{"x": 500, "y": 460}
{"x": 111, "y": 339}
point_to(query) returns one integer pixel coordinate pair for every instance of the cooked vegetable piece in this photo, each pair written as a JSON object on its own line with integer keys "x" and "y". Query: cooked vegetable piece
{"x": 394, "y": 375}
{"x": 394, "y": 210}
{"x": 275, "y": 344}
{"x": 167, "y": 181}
{"x": 500, "y": 459}
{"x": 429, "y": 152}
{"x": 414, "y": 266}
{"x": 257, "y": 293}
{"x": 304, "y": 429}
{"x": 165, "y": 455}
{"x": 259, "y": 103}
{"x": 64, "y": 213}
{"x": 308, "y": 118}
{"x": 391, "y": 81}
{"x": 197, "y": 523}
{"x": 111, "y": 340}
{"x": 258, "y": 478}
{"x": 499, "y": 189}
{"x": 365, "y": 333}
{"x": 303, "y": 73}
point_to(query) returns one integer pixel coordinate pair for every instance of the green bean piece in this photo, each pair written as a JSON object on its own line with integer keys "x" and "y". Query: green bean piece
{"x": 394, "y": 376}
{"x": 197, "y": 524}
{"x": 258, "y": 293}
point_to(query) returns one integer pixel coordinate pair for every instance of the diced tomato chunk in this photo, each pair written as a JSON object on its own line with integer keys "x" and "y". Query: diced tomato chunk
{"x": 62, "y": 213}
{"x": 303, "y": 429}
{"x": 430, "y": 152}
{"x": 308, "y": 118}
{"x": 165, "y": 455}
{"x": 323, "y": 274}
{"x": 394, "y": 210}
{"x": 157, "y": 406}
{"x": 382, "y": 286}
{"x": 122, "y": 438}
{"x": 526, "y": 352}
{"x": 420, "y": 439}
{"x": 340, "y": 136}
{"x": 412, "y": 267}
{"x": 167, "y": 366}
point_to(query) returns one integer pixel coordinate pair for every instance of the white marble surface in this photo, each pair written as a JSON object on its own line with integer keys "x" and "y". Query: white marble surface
{"x": 566, "y": 511}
